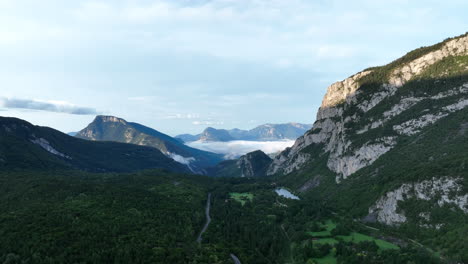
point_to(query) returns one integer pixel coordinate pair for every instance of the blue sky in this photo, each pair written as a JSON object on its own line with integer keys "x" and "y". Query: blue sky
{"x": 179, "y": 66}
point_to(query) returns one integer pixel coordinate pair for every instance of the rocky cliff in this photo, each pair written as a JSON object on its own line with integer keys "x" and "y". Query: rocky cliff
{"x": 346, "y": 111}
{"x": 369, "y": 134}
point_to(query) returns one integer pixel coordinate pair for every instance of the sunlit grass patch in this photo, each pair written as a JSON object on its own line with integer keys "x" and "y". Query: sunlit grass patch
{"x": 242, "y": 197}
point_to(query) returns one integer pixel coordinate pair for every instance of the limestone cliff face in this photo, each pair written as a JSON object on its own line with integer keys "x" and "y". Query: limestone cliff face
{"x": 455, "y": 47}
{"x": 373, "y": 99}
{"x": 444, "y": 190}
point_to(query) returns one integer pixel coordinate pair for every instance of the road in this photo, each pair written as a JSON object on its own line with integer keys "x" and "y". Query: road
{"x": 208, "y": 218}
{"x": 208, "y": 221}
{"x": 236, "y": 260}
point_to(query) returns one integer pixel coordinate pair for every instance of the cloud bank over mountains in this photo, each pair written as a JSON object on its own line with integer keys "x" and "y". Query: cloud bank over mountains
{"x": 49, "y": 106}
{"x": 180, "y": 64}
{"x": 237, "y": 148}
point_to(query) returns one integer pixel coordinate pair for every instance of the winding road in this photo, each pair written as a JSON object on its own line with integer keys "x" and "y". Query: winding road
{"x": 236, "y": 260}
{"x": 205, "y": 227}
{"x": 208, "y": 218}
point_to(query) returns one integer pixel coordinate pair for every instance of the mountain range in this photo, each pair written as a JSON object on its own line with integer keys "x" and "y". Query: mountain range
{"x": 267, "y": 132}
{"x": 23, "y": 145}
{"x": 380, "y": 177}
{"x": 110, "y": 128}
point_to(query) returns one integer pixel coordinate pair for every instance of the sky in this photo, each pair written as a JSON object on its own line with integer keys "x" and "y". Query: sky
{"x": 182, "y": 65}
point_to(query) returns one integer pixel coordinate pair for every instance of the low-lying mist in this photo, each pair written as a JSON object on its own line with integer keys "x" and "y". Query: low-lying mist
{"x": 237, "y": 148}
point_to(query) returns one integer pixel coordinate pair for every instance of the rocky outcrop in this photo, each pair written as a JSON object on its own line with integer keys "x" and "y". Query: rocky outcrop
{"x": 253, "y": 164}
{"x": 310, "y": 184}
{"x": 345, "y": 104}
{"x": 445, "y": 190}
{"x": 362, "y": 157}
{"x": 43, "y": 143}
{"x": 339, "y": 92}
{"x": 406, "y": 72}
{"x": 414, "y": 126}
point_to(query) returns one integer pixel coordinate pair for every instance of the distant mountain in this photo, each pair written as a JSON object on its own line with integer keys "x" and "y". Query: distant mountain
{"x": 277, "y": 131}
{"x": 187, "y": 137}
{"x": 253, "y": 164}
{"x": 110, "y": 128}
{"x": 72, "y": 133}
{"x": 212, "y": 134}
{"x": 25, "y": 146}
{"x": 267, "y": 132}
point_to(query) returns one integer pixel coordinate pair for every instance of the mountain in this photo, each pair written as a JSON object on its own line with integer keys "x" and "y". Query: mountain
{"x": 187, "y": 137}
{"x": 23, "y": 145}
{"x": 273, "y": 132}
{"x": 211, "y": 134}
{"x": 267, "y": 132}
{"x": 253, "y": 164}
{"x": 390, "y": 145}
{"x": 110, "y": 128}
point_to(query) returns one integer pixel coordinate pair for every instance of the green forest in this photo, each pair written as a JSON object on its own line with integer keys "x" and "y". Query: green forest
{"x": 155, "y": 216}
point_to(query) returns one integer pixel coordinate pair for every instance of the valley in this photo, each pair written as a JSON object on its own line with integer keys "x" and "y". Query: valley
{"x": 380, "y": 177}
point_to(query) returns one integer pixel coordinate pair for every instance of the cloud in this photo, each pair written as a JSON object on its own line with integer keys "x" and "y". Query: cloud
{"x": 182, "y": 116}
{"x": 207, "y": 122}
{"x": 165, "y": 55}
{"x": 50, "y": 106}
{"x": 237, "y": 148}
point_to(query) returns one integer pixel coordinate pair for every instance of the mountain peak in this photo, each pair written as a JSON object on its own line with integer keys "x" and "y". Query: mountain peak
{"x": 110, "y": 119}
{"x": 213, "y": 134}
{"x": 396, "y": 73}
{"x": 111, "y": 128}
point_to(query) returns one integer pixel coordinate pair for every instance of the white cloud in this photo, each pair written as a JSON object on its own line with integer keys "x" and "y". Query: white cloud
{"x": 110, "y": 53}
{"x": 181, "y": 159}
{"x": 236, "y": 148}
{"x": 207, "y": 123}
{"x": 182, "y": 116}
{"x": 50, "y": 106}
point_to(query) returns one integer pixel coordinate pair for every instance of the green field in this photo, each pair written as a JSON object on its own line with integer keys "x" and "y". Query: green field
{"x": 330, "y": 259}
{"x": 358, "y": 237}
{"x": 326, "y": 240}
{"x": 325, "y": 237}
{"x": 242, "y": 197}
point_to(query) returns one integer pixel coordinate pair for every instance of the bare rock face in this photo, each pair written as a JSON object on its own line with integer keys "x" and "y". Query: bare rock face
{"x": 43, "y": 143}
{"x": 445, "y": 190}
{"x": 334, "y": 127}
{"x": 112, "y": 119}
{"x": 405, "y": 73}
{"x": 340, "y": 91}
{"x": 253, "y": 164}
{"x": 364, "y": 156}
{"x": 329, "y": 129}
